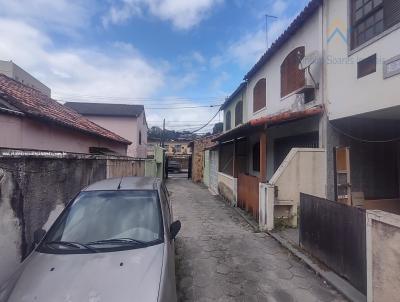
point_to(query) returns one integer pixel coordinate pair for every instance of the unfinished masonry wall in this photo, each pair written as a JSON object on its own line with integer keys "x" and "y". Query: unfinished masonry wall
{"x": 34, "y": 188}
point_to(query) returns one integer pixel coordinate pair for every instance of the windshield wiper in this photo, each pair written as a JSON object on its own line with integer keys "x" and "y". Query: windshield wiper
{"x": 73, "y": 244}
{"x": 118, "y": 241}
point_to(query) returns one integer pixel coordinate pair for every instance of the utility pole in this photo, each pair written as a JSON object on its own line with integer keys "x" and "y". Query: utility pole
{"x": 266, "y": 27}
{"x": 163, "y": 134}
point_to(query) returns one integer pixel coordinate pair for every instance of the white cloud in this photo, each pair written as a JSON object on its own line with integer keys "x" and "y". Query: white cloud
{"x": 78, "y": 71}
{"x": 279, "y": 7}
{"x": 183, "y": 14}
{"x": 249, "y": 47}
{"x": 92, "y": 75}
{"x": 53, "y": 15}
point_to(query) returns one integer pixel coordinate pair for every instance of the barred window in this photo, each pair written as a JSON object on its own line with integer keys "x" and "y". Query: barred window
{"x": 371, "y": 17}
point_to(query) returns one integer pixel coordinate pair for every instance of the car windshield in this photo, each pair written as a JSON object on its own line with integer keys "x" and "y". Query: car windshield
{"x": 107, "y": 219}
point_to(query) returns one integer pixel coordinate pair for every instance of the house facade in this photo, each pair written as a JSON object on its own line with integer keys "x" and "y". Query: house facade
{"x": 30, "y": 119}
{"x": 321, "y": 114}
{"x": 321, "y": 100}
{"x": 282, "y": 109}
{"x": 363, "y": 105}
{"x": 177, "y": 147}
{"x": 128, "y": 121}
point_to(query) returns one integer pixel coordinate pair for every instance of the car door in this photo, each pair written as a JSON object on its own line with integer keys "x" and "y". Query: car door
{"x": 168, "y": 286}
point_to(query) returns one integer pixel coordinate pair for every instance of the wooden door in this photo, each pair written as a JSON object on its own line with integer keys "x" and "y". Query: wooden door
{"x": 343, "y": 182}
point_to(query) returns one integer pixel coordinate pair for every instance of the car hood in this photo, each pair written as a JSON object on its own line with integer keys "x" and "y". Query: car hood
{"x": 132, "y": 275}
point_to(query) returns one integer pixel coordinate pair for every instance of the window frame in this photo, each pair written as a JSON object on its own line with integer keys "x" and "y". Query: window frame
{"x": 352, "y": 50}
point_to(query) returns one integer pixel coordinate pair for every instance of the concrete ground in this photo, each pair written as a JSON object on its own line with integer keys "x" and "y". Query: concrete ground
{"x": 220, "y": 258}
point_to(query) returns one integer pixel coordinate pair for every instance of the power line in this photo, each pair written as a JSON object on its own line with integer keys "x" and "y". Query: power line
{"x": 363, "y": 140}
{"x": 215, "y": 115}
{"x": 184, "y": 107}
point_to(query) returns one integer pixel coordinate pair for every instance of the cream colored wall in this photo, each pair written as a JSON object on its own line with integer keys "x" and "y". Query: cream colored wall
{"x": 303, "y": 171}
{"x": 346, "y": 95}
{"x": 128, "y": 128}
{"x": 383, "y": 254}
{"x": 310, "y": 36}
{"x": 20, "y": 132}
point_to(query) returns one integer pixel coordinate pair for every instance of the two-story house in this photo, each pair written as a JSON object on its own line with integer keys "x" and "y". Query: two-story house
{"x": 363, "y": 103}
{"x": 128, "y": 121}
{"x": 277, "y": 108}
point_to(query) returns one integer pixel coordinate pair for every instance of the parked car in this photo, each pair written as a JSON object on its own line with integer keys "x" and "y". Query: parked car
{"x": 113, "y": 242}
{"x": 174, "y": 166}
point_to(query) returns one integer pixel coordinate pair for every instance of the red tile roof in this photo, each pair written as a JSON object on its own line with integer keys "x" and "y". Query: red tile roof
{"x": 260, "y": 123}
{"x": 38, "y": 105}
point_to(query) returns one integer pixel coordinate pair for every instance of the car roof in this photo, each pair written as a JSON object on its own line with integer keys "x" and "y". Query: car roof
{"x": 125, "y": 183}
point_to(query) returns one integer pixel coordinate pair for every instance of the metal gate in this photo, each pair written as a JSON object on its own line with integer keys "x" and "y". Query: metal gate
{"x": 335, "y": 234}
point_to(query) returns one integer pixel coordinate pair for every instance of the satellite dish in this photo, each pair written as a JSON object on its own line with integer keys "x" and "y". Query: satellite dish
{"x": 308, "y": 60}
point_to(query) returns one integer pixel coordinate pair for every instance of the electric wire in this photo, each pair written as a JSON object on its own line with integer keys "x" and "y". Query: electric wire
{"x": 362, "y": 139}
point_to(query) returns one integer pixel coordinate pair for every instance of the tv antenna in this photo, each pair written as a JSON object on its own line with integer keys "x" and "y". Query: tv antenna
{"x": 266, "y": 26}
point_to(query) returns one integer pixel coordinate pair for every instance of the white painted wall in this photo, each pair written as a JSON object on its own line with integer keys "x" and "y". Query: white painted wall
{"x": 346, "y": 95}
{"x": 310, "y": 36}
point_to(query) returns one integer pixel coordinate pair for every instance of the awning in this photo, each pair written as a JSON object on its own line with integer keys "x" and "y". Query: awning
{"x": 260, "y": 123}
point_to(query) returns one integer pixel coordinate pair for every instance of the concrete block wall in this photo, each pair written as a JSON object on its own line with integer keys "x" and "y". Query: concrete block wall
{"x": 34, "y": 188}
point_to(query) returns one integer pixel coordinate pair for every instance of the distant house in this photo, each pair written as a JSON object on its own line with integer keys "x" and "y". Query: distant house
{"x": 128, "y": 121}
{"x": 177, "y": 147}
{"x": 30, "y": 119}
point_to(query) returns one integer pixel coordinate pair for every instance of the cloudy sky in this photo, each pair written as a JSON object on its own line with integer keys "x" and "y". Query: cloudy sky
{"x": 164, "y": 54}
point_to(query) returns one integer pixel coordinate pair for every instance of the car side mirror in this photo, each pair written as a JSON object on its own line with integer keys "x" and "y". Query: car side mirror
{"x": 38, "y": 236}
{"x": 175, "y": 228}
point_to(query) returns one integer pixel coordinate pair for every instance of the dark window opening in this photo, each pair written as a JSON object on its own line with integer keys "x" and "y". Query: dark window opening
{"x": 260, "y": 95}
{"x": 366, "y": 66}
{"x": 282, "y": 146}
{"x": 292, "y": 78}
{"x": 370, "y": 18}
{"x": 226, "y": 159}
{"x": 228, "y": 121}
{"x": 309, "y": 95}
{"x": 239, "y": 113}
{"x": 140, "y": 137}
{"x": 256, "y": 157}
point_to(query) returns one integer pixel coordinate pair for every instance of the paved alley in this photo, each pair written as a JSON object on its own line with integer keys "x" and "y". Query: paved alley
{"x": 220, "y": 258}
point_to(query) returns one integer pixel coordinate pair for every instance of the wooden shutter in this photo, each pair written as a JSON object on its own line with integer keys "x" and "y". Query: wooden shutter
{"x": 260, "y": 95}
{"x": 228, "y": 121}
{"x": 292, "y": 78}
{"x": 239, "y": 113}
{"x": 391, "y": 12}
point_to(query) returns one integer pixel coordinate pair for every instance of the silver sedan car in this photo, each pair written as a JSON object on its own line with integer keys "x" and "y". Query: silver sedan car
{"x": 113, "y": 242}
